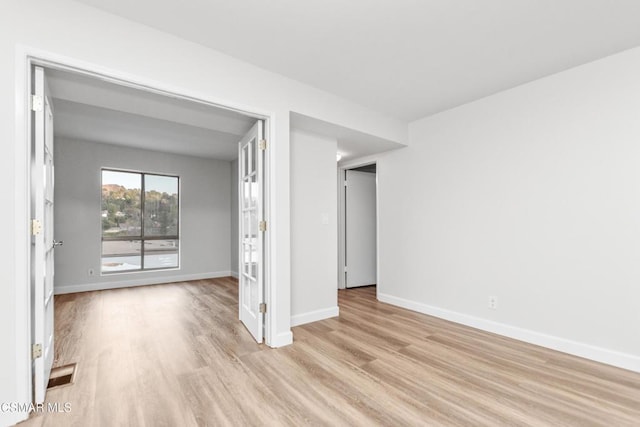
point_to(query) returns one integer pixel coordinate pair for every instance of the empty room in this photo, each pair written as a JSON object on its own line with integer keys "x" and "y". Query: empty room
{"x": 320, "y": 213}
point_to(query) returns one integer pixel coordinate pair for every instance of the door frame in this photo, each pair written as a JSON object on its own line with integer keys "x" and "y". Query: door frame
{"x": 26, "y": 58}
{"x": 342, "y": 236}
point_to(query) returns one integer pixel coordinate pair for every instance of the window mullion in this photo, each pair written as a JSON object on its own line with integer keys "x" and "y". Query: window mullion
{"x": 142, "y": 208}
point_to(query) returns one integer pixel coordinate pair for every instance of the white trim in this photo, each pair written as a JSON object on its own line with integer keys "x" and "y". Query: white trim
{"x": 314, "y": 316}
{"x": 100, "y": 286}
{"x": 281, "y": 340}
{"x": 587, "y": 351}
{"x": 341, "y": 229}
{"x": 22, "y": 242}
{"x": 49, "y": 59}
{"x": 275, "y": 237}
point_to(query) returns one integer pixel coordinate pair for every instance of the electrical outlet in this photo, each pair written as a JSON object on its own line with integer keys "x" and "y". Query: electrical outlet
{"x": 91, "y": 272}
{"x": 493, "y": 302}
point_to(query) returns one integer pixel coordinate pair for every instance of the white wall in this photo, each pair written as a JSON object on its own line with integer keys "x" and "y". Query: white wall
{"x": 235, "y": 232}
{"x": 68, "y": 30}
{"x": 314, "y": 229}
{"x": 531, "y": 195}
{"x": 205, "y": 214}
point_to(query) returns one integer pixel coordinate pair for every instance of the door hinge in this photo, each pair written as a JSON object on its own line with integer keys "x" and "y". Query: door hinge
{"x": 345, "y": 182}
{"x": 263, "y": 307}
{"x": 37, "y": 103}
{"x": 345, "y": 268}
{"x": 36, "y": 227}
{"x": 263, "y": 225}
{"x": 262, "y": 144}
{"x": 36, "y": 351}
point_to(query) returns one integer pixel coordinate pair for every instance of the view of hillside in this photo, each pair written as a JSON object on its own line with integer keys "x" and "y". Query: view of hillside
{"x": 121, "y": 212}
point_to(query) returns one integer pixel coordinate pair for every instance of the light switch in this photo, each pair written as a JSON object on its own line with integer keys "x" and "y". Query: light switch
{"x": 325, "y": 219}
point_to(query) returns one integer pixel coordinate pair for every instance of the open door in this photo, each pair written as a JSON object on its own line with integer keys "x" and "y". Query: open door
{"x": 252, "y": 228}
{"x": 360, "y": 229}
{"x": 43, "y": 245}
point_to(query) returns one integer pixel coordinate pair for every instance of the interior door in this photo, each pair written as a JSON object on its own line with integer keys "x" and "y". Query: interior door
{"x": 360, "y": 233}
{"x": 251, "y": 245}
{"x": 43, "y": 245}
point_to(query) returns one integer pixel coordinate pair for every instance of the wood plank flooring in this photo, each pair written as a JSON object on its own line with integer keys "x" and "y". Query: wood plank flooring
{"x": 176, "y": 355}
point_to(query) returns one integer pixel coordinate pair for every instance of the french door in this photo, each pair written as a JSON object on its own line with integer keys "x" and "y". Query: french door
{"x": 43, "y": 244}
{"x": 252, "y": 228}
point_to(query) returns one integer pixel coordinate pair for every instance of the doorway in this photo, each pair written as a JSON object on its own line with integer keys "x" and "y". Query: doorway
{"x": 39, "y": 316}
{"x": 358, "y": 264}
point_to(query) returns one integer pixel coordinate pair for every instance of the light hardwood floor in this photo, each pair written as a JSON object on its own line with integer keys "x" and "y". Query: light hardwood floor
{"x": 175, "y": 355}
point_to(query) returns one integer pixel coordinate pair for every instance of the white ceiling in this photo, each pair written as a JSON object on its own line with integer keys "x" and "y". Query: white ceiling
{"x": 90, "y": 109}
{"x": 351, "y": 144}
{"x": 89, "y": 123}
{"x": 408, "y": 58}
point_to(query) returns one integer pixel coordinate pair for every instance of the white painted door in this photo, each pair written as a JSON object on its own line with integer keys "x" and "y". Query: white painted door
{"x": 43, "y": 244}
{"x": 251, "y": 245}
{"x": 360, "y": 223}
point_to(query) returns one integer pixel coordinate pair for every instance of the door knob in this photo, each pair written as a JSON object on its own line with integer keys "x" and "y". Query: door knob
{"x": 56, "y": 243}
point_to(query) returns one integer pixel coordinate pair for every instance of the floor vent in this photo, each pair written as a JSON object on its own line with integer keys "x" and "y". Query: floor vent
{"x": 61, "y": 376}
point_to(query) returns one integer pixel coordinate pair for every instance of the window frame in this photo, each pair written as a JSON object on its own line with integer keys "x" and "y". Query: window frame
{"x": 141, "y": 237}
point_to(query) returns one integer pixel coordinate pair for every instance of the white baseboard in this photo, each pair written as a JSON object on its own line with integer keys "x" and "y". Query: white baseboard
{"x": 282, "y": 339}
{"x": 234, "y": 274}
{"x": 100, "y": 286}
{"x": 314, "y": 316}
{"x": 598, "y": 354}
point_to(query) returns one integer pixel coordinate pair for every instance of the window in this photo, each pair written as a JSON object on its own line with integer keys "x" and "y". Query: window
{"x": 140, "y": 214}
